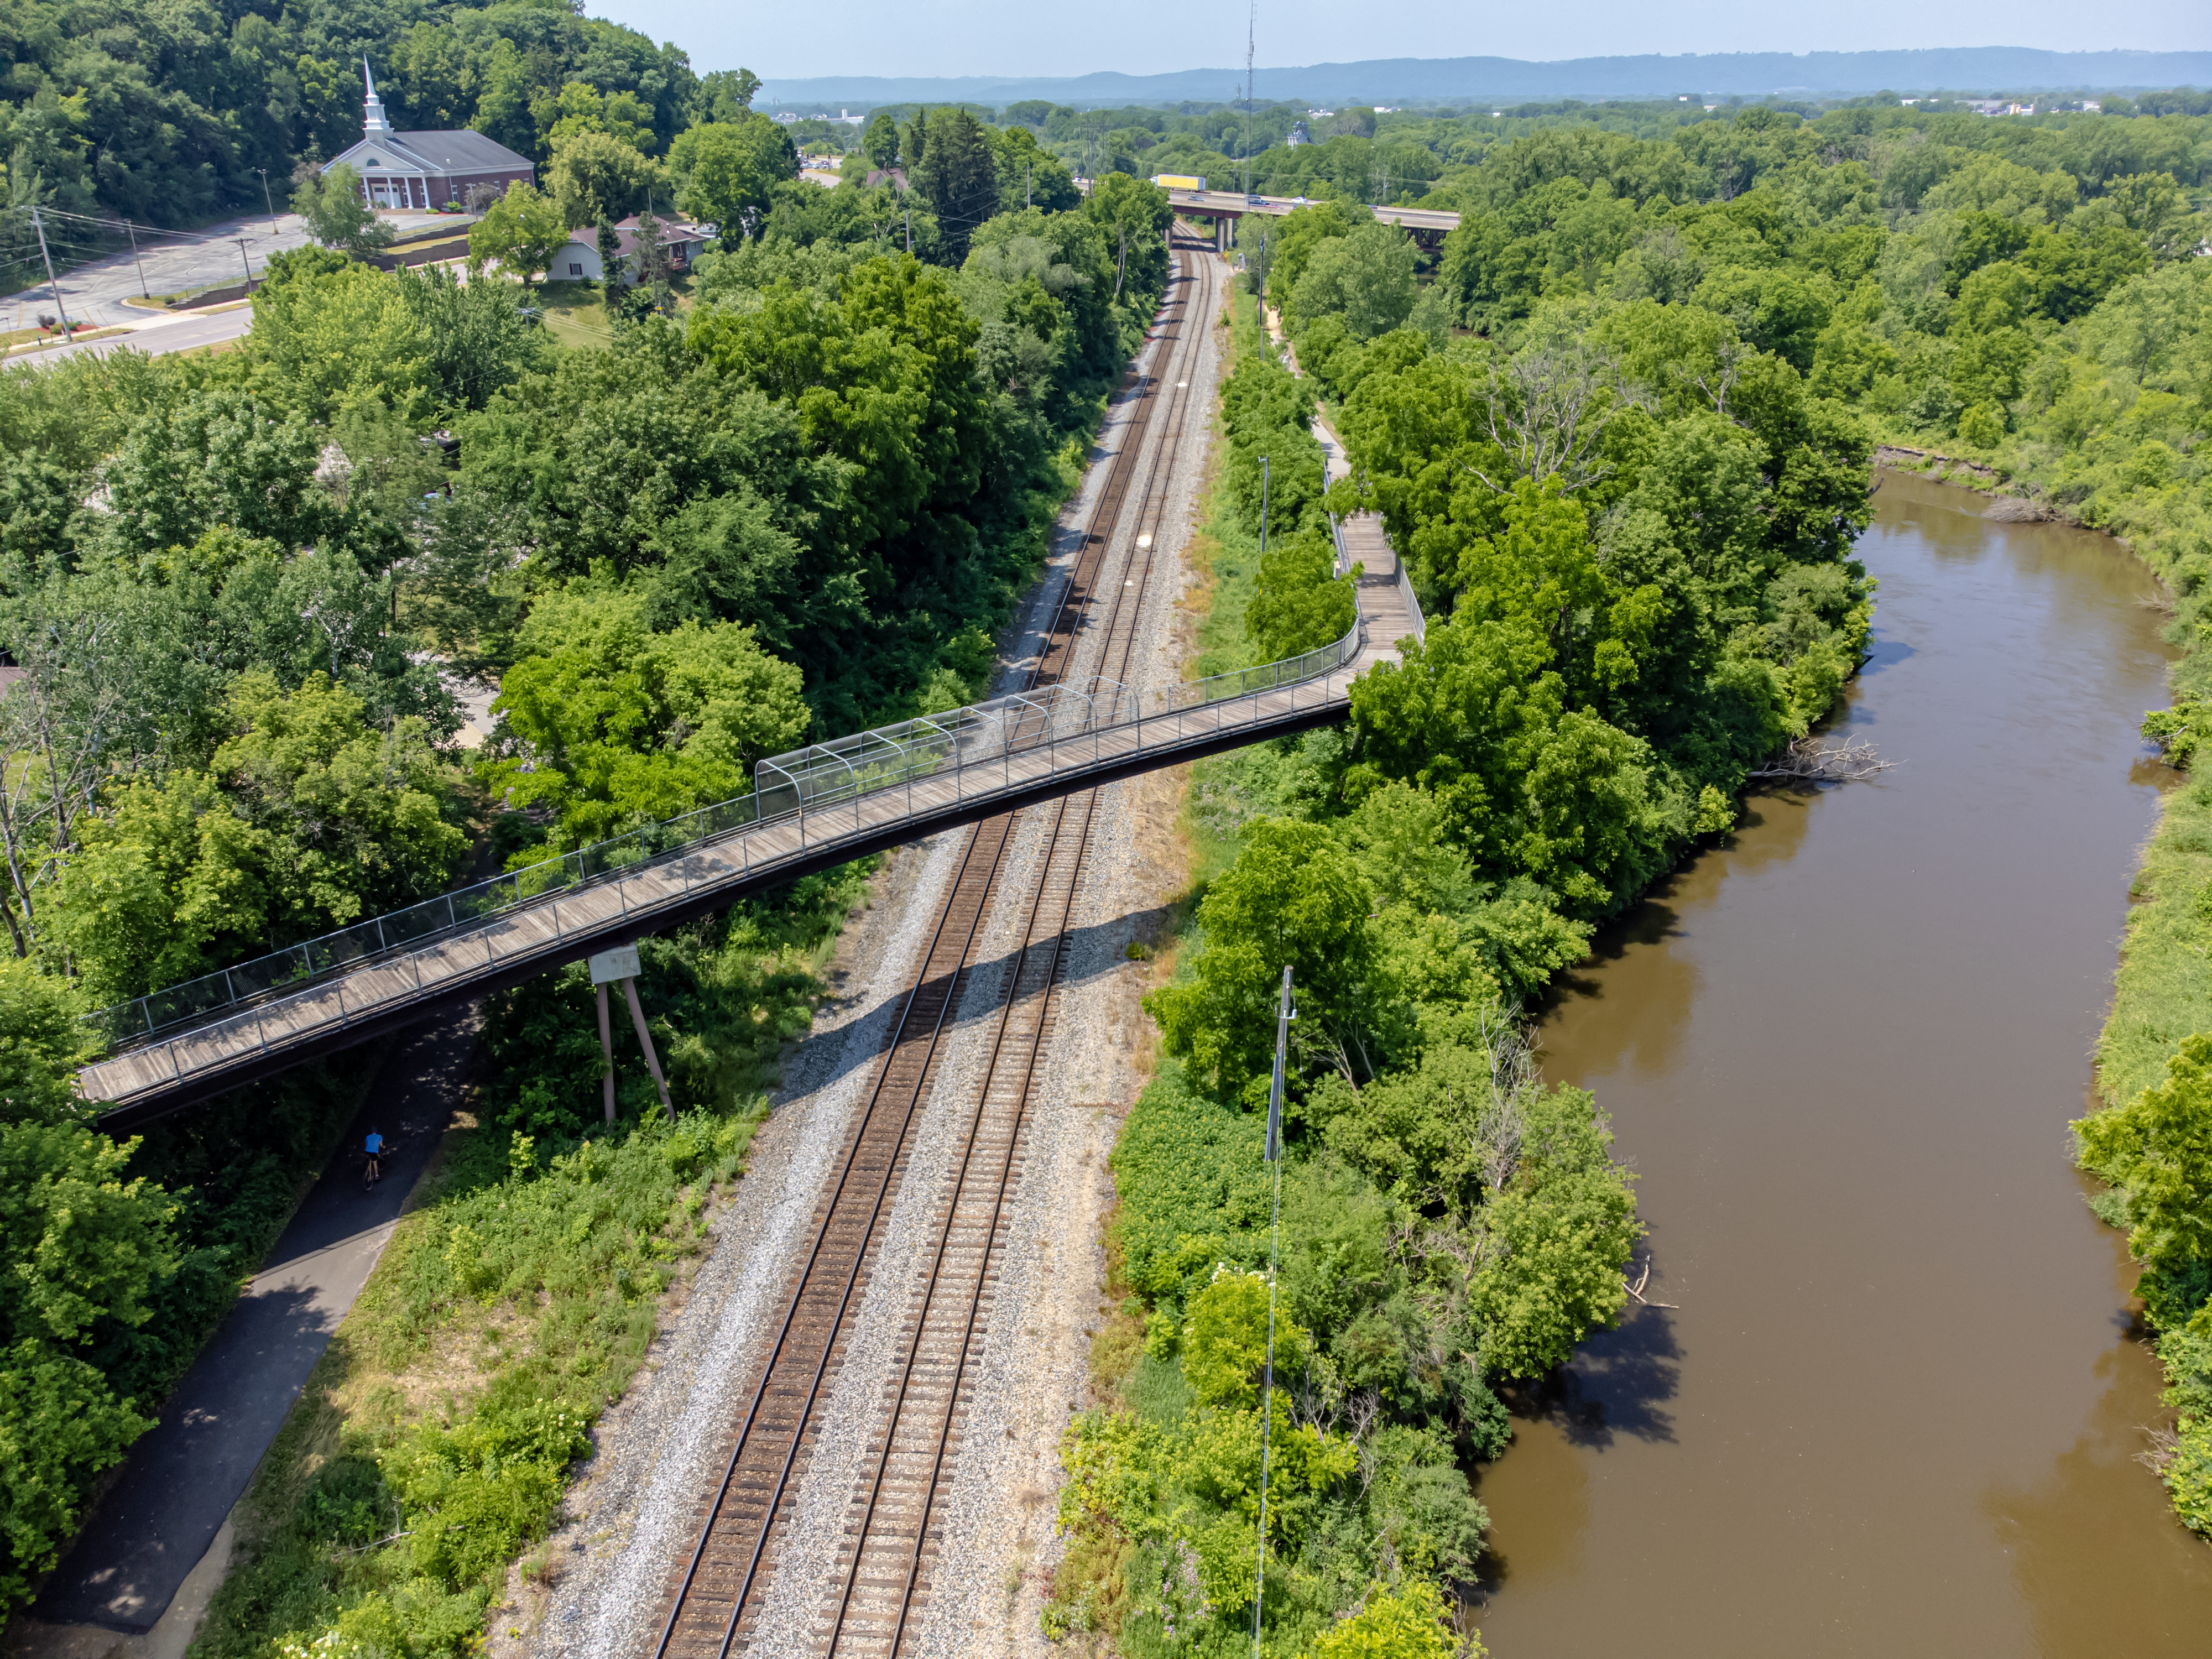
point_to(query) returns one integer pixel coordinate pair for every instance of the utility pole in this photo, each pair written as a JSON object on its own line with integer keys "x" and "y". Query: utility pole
{"x": 909, "y": 232}
{"x": 265, "y": 199}
{"x": 62, "y": 310}
{"x": 131, "y": 231}
{"x": 1263, "y": 490}
{"x": 1026, "y": 187}
{"x": 1121, "y": 264}
{"x": 1273, "y": 1153}
{"x": 243, "y": 260}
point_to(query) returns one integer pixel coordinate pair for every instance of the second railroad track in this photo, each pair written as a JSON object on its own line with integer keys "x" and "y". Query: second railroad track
{"x": 873, "y": 1600}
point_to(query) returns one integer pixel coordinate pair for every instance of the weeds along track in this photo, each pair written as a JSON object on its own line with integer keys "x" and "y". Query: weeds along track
{"x": 880, "y": 1587}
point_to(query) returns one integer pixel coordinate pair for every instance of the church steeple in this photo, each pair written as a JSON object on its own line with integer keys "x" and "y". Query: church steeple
{"x": 373, "y": 121}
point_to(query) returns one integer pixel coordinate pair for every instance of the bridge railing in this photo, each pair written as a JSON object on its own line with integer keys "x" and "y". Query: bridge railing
{"x": 1069, "y": 726}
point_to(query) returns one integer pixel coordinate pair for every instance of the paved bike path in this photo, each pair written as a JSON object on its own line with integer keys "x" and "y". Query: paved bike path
{"x": 184, "y": 1477}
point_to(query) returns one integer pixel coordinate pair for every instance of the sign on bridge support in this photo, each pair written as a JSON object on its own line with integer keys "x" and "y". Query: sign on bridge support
{"x": 608, "y": 966}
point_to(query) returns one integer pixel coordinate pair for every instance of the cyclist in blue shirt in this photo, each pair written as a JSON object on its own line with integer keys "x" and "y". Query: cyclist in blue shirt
{"x": 375, "y": 1149}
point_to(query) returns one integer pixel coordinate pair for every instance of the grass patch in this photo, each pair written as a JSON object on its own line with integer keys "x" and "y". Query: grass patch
{"x": 2163, "y": 990}
{"x": 431, "y": 1444}
{"x": 519, "y": 1296}
{"x": 576, "y": 313}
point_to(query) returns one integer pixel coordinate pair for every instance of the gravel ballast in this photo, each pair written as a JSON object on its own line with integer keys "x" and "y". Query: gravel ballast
{"x": 630, "y": 1518}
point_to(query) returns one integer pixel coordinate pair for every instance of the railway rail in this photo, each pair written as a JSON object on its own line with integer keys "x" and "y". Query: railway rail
{"x": 881, "y": 1583}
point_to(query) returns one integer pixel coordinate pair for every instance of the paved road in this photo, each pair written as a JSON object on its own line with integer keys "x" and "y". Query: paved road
{"x": 161, "y": 335}
{"x": 94, "y": 292}
{"x": 184, "y": 1477}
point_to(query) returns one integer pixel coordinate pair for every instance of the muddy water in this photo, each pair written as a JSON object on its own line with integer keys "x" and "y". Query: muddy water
{"x": 1894, "y": 1412}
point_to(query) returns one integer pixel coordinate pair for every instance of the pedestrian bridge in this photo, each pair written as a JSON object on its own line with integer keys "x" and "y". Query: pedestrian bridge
{"x": 808, "y": 811}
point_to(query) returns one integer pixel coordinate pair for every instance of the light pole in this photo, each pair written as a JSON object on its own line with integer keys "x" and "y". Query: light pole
{"x": 243, "y": 260}
{"x": 266, "y": 200}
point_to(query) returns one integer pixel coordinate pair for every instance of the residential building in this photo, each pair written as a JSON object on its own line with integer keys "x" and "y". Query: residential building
{"x": 578, "y": 260}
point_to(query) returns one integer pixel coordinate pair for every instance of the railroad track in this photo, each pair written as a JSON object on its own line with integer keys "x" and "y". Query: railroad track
{"x": 881, "y": 1582}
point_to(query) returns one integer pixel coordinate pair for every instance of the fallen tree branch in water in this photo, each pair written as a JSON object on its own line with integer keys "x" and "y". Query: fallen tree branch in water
{"x": 2164, "y": 1446}
{"x": 1807, "y": 761}
{"x": 1636, "y": 1289}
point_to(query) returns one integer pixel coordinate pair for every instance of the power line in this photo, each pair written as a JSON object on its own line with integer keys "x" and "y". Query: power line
{"x": 124, "y": 227}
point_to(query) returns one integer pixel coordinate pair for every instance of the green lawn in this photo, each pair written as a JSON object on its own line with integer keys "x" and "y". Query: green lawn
{"x": 576, "y": 313}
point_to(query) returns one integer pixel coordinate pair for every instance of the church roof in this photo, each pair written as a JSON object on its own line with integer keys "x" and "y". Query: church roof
{"x": 461, "y": 151}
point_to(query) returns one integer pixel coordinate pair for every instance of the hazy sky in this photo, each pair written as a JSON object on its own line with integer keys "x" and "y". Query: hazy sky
{"x": 1023, "y": 37}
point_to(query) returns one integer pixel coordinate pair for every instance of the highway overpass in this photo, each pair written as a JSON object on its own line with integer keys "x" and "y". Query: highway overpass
{"x": 1227, "y": 206}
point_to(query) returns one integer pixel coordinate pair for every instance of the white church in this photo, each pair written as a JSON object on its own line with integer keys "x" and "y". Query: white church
{"x": 425, "y": 170}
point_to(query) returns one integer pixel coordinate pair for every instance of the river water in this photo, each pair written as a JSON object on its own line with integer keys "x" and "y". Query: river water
{"x": 1895, "y": 1409}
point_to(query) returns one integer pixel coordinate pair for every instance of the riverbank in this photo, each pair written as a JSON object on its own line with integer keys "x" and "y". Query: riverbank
{"x": 1894, "y": 1405}
{"x": 1369, "y": 1506}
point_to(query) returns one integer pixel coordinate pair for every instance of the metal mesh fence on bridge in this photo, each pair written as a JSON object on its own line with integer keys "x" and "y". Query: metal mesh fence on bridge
{"x": 1073, "y": 728}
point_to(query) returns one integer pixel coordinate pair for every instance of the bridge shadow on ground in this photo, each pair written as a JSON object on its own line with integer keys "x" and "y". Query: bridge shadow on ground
{"x": 1088, "y": 954}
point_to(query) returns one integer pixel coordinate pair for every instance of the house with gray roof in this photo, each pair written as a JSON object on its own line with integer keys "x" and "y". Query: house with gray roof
{"x": 425, "y": 170}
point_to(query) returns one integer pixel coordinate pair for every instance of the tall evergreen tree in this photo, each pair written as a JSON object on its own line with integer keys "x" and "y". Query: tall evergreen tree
{"x": 958, "y": 177}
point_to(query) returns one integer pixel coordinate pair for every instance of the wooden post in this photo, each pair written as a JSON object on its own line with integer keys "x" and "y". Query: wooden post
{"x": 645, "y": 1038}
{"x": 607, "y": 1048}
{"x": 606, "y": 967}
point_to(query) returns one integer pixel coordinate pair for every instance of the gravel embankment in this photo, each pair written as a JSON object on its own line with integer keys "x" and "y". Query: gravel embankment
{"x": 630, "y": 1516}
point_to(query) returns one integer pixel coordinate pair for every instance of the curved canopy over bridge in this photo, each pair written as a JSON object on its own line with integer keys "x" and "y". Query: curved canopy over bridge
{"x": 808, "y": 811}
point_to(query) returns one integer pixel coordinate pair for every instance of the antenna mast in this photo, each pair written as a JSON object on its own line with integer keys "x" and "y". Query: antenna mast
{"x": 1251, "y": 30}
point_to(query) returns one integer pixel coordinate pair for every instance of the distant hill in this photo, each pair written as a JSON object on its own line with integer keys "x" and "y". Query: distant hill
{"x": 1430, "y": 80}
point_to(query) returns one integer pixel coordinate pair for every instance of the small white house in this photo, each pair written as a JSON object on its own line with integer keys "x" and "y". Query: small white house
{"x": 578, "y": 260}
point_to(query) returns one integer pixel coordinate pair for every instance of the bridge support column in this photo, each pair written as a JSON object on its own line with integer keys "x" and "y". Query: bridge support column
{"x": 606, "y": 1047}
{"x": 645, "y": 1040}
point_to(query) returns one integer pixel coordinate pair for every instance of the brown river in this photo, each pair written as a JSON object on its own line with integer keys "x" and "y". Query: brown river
{"x": 1895, "y": 1409}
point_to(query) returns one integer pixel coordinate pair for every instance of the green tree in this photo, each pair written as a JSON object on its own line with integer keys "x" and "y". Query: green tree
{"x": 725, "y": 94}
{"x": 880, "y": 142}
{"x": 582, "y": 108}
{"x": 1559, "y": 1233}
{"x": 337, "y": 213}
{"x": 726, "y": 172}
{"x": 87, "y": 1245}
{"x": 333, "y": 338}
{"x": 958, "y": 177}
{"x": 1299, "y": 603}
{"x": 309, "y": 819}
{"x": 595, "y": 176}
{"x": 1366, "y": 279}
{"x": 624, "y": 726}
{"x": 1135, "y": 216}
{"x": 522, "y": 231}
{"x": 1293, "y": 898}
{"x": 1406, "y": 1620}
{"x": 2157, "y": 1148}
